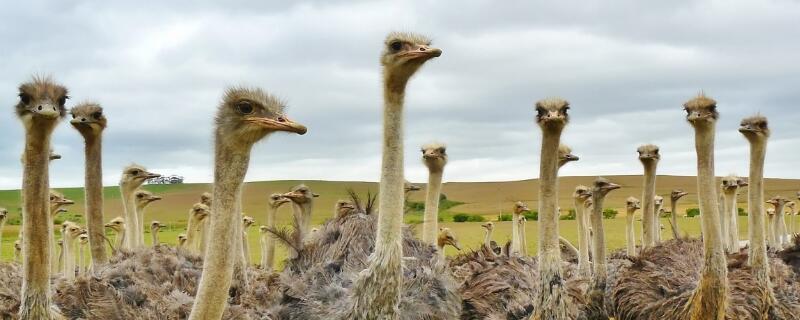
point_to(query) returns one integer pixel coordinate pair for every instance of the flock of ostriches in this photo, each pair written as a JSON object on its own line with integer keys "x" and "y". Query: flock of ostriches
{"x": 363, "y": 263}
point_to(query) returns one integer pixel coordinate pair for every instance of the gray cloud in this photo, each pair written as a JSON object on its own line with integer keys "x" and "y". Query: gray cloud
{"x": 159, "y": 70}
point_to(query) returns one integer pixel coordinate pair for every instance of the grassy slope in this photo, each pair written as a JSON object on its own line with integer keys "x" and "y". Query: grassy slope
{"x": 486, "y": 198}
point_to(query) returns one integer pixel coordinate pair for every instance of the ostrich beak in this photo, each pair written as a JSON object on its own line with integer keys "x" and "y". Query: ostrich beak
{"x": 572, "y": 157}
{"x": 456, "y": 245}
{"x": 292, "y": 195}
{"x": 152, "y": 175}
{"x": 424, "y": 53}
{"x": 155, "y": 198}
{"x": 280, "y": 124}
{"x": 613, "y": 186}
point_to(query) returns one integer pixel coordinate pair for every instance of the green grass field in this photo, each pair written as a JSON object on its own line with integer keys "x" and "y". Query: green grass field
{"x": 488, "y": 199}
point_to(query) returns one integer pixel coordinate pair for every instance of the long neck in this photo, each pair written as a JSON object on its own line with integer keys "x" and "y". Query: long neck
{"x": 755, "y": 207}
{"x": 649, "y": 206}
{"x": 302, "y": 216}
{"x": 673, "y": 218}
{"x": 630, "y": 237}
{"x": 155, "y": 237}
{"x": 245, "y": 247}
{"x": 551, "y": 302}
{"x": 120, "y": 241}
{"x": 269, "y": 242}
{"x": 81, "y": 259}
{"x": 710, "y": 297}
{"x": 230, "y": 168}
{"x": 384, "y": 276}
{"x": 431, "y": 218}
{"x": 2, "y": 225}
{"x": 599, "y": 239}
{"x": 516, "y": 246}
{"x": 780, "y": 226}
{"x": 94, "y": 199}
{"x": 487, "y": 240}
{"x": 131, "y": 219}
{"x": 583, "y": 239}
{"x": 731, "y": 211}
{"x": 140, "y": 217}
{"x": 723, "y": 220}
{"x": 35, "y": 293}
{"x": 69, "y": 258}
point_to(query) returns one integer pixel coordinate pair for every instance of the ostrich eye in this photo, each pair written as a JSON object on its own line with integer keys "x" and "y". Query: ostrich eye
{"x": 24, "y": 98}
{"x": 73, "y": 116}
{"x": 762, "y": 125}
{"x": 135, "y": 172}
{"x": 62, "y": 100}
{"x": 712, "y": 109}
{"x": 52, "y": 198}
{"x": 97, "y": 115}
{"x": 396, "y": 46}
{"x": 244, "y": 107}
{"x": 540, "y": 112}
{"x": 140, "y": 195}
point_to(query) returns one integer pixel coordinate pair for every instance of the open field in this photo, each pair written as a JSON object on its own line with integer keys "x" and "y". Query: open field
{"x": 485, "y": 198}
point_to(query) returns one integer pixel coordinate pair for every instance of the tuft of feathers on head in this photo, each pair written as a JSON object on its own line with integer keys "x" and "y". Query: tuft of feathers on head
{"x": 758, "y": 122}
{"x": 564, "y": 149}
{"x": 647, "y": 148}
{"x": 42, "y": 88}
{"x": 434, "y": 145}
{"x": 407, "y": 37}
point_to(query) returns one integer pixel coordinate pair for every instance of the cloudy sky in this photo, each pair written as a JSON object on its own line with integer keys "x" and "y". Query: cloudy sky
{"x": 626, "y": 67}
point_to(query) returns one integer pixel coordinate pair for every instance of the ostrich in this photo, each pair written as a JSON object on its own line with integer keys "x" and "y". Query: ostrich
{"x": 302, "y": 204}
{"x": 276, "y": 200}
{"x": 779, "y": 223}
{"x": 772, "y": 239}
{"x": 552, "y": 301}
{"x": 143, "y": 199}
{"x": 631, "y": 204}
{"x": 730, "y": 188}
{"x": 377, "y": 290}
{"x": 54, "y": 156}
{"x": 792, "y": 212}
{"x": 600, "y": 189}
{"x": 434, "y": 156}
{"x": 649, "y": 157}
{"x": 516, "y": 242}
{"x": 71, "y": 233}
{"x": 245, "y": 116}
{"x": 674, "y": 196}
{"x": 565, "y": 155}
{"x": 90, "y": 122}
{"x": 155, "y": 226}
{"x": 446, "y": 237}
{"x": 247, "y": 221}
{"x": 117, "y": 226}
{"x": 181, "y": 240}
{"x": 579, "y": 197}
{"x": 659, "y": 209}
{"x": 264, "y": 236}
{"x": 132, "y": 178}
{"x": 194, "y": 227}
{"x": 523, "y": 239}
{"x": 57, "y": 202}
{"x": 40, "y": 109}
{"x": 487, "y": 240}
{"x": 3, "y": 216}
{"x": 342, "y": 209}
{"x": 83, "y": 263}
{"x": 205, "y": 198}
{"x": 17, "y": 250}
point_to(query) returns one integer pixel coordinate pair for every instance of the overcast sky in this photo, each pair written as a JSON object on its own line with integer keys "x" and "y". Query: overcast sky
{"x": 626, "y": 67}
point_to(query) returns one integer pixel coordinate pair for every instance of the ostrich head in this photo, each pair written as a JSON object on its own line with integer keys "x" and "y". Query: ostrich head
{"x": 54, "y": 156}
{"x": 778, "y": 201}
{"x": 155, "y": 226}
{"x": 117, "y": 224}
{"x": 263, "y": 229}
{"x": 144, "y": 198}
{"x": 602, "y": 187}
{"x": 408, "y": 187}
{"x": 181, "y": 239}
{"x": 205, "y": 198}
{"x": 582, "y": 193}
{"x": 247, "y": 115}
{"x": 648, "y": 153}
{"x": 300, "y": 194}
{"x": 447, "y": 237}
{"x": 88, "y": 119}
{"x": 343, "y": 208}
{"x": 83, "y": 239}
{"x": 791, "y": 206}
{"x": 403, "y": 54}
{"x": 434, "y": 156}
{"x": 133, "y": 176}
{"x": 199, "y": 212}
{"x": 276, "y": 200}
{"x": 742, "y": 182}
{"x": 551, "y": 114}
{"x": 41, "y": 103}
{"x": 658, "y": 200}
{"x": 247, "y": 221}
{"x": 520, "y": 207}
{"x": 3, "y": 214}
{"x": 489, "y": 226}
{"x": 633, "y": 204}
{"x": 701, "y": 111}
{"x": 730, "y": 184}
{"x": 755, "y": 128}
{"x": 72, "y": 230}
{"x": 565, "y": 155}
{"x": 677, "y": 194}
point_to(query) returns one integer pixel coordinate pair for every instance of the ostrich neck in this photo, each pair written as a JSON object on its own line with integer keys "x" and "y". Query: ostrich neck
{"x": 523, "y": 240}
{"x": 673, "y": 216}
{"x": 302, "y": 215}
{"x": 269, "y": 242}
{"x": 431, "y": 218}
{"x": 140, "y": 217}
{"x": 779, "y": 229}
{"x": 69, "y": 257}
{"x": 649, "y": 206}
{"x": 377, "y": 290}
{"x": 155, "y": 237}
{"x": 755, "y": 195}
{"x": 230, "y": 168}
{"x": 631, "y": 234}
{"x": 35, "y": 293}
{"x": 731, "y": 237}
{"x": 709, "y": 299}
{"x": 516, "y": 246}
{"x": 551, "y": 301}
{"x": 131, "y": 218}
{"x": 94, "y": 198}
{"x": 583, "y": 239}
{"x": 599, "y": 241}
{"x": 487, "y": 241}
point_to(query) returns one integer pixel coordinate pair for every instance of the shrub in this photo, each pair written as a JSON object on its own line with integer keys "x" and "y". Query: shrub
{"x": 610, "y": 213}
{"x": 741, "y": 212}
{"x": 504, "y": 217}
{"x": 460, "y": 217}
{"x": 69, "y": 216}
{"x": 476, "y": 218}
{"x": 531, "y": 215}
{"x": 569, "y": 216}
{"x": 692, "y": 212}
